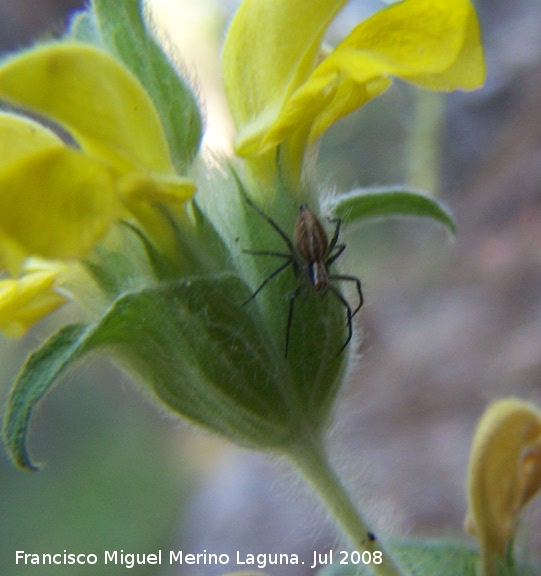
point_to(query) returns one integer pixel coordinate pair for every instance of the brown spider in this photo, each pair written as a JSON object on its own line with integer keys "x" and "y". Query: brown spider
{"x": 311, "y": 255}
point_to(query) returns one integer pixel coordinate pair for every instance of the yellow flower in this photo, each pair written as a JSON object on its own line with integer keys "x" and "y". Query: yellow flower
{"x": 25, "y": 301}
{"x": 504, "y": 474}
{"x": 282, "y": 90}
{"x": 58, "y": 201}
{"x": 123, "y": 156}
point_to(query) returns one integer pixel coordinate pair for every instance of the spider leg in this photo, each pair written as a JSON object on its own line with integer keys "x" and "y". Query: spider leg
{"x": 256, "y": 208}
{"x": 269, "y": 277}
{"x": 357, "y": 283}
{"x": 341, "y": 298}
{"x": 290, "y": 314}
{"x": 336, "y": 234}
{"x": 267, "y": 253}
{"x": 339, "y": 249}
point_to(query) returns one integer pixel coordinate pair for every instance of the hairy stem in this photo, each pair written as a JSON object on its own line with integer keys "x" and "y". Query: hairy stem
{"x": 310, "y": 459}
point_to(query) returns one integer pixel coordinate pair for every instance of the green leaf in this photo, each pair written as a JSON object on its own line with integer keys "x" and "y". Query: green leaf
{"x": 123, "y": 31}
{"x": 367, "y": 204}
{"x": 38, "y": 375}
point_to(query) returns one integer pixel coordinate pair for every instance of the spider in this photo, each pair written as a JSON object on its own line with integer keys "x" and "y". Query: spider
{"x": 311, "y": 254}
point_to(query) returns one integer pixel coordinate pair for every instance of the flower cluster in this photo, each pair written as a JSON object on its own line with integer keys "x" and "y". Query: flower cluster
{"x": 106, "y": 200}
{"x": 59, "y": 200}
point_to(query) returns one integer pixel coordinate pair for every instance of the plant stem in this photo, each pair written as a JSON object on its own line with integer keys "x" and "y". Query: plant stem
{"x": 312, "y": 462}
{"x": 424, "y": 142}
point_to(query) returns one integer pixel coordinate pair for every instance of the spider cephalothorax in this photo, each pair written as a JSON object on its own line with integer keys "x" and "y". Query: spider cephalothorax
{"x": 311, "y": 254}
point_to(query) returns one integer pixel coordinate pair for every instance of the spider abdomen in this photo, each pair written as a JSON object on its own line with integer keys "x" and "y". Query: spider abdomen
{"x": 319, "y": 277}
{"x": 310, "y": 237}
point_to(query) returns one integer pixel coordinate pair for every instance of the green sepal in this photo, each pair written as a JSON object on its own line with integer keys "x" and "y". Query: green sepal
{"x": 368, "y": 204}
{"x": 124, "y": 33}
{"x": 112, "y": 271}
{"x": 426, "y": 558}
{"x": 194, "y": 345}
{"x": 117, "y": 271}
{"x": 84, "y": 28}
{"x": 203, "y": 356}
{"x": 38, "y": 375}
{"x": 318, "y": 327}
{"x": 163, "y": 267}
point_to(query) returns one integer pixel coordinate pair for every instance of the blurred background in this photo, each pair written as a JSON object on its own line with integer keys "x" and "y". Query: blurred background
{"x": 447, "y": 327}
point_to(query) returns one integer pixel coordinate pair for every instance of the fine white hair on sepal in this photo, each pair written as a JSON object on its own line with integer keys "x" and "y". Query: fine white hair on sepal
{"x": 172, "y": 52}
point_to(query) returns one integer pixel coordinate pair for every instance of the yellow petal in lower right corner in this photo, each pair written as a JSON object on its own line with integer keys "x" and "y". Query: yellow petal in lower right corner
{"x": 504, "y": 473}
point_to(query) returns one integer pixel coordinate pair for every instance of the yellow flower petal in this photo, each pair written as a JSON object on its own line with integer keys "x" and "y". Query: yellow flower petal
{"x": 141, "y": 187}
{"x": 504, "y": 472}
{"x": 20, "y": 136}
{"x": 56, "y": 203}
{"x": 95, "y": 98}
{"x": 270, "y": 49}
{"x": 25, "y": 301}
{"x": 12, "y": 255}
{"x": 434, "y": 43}
{"x": 140, "y": 192}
